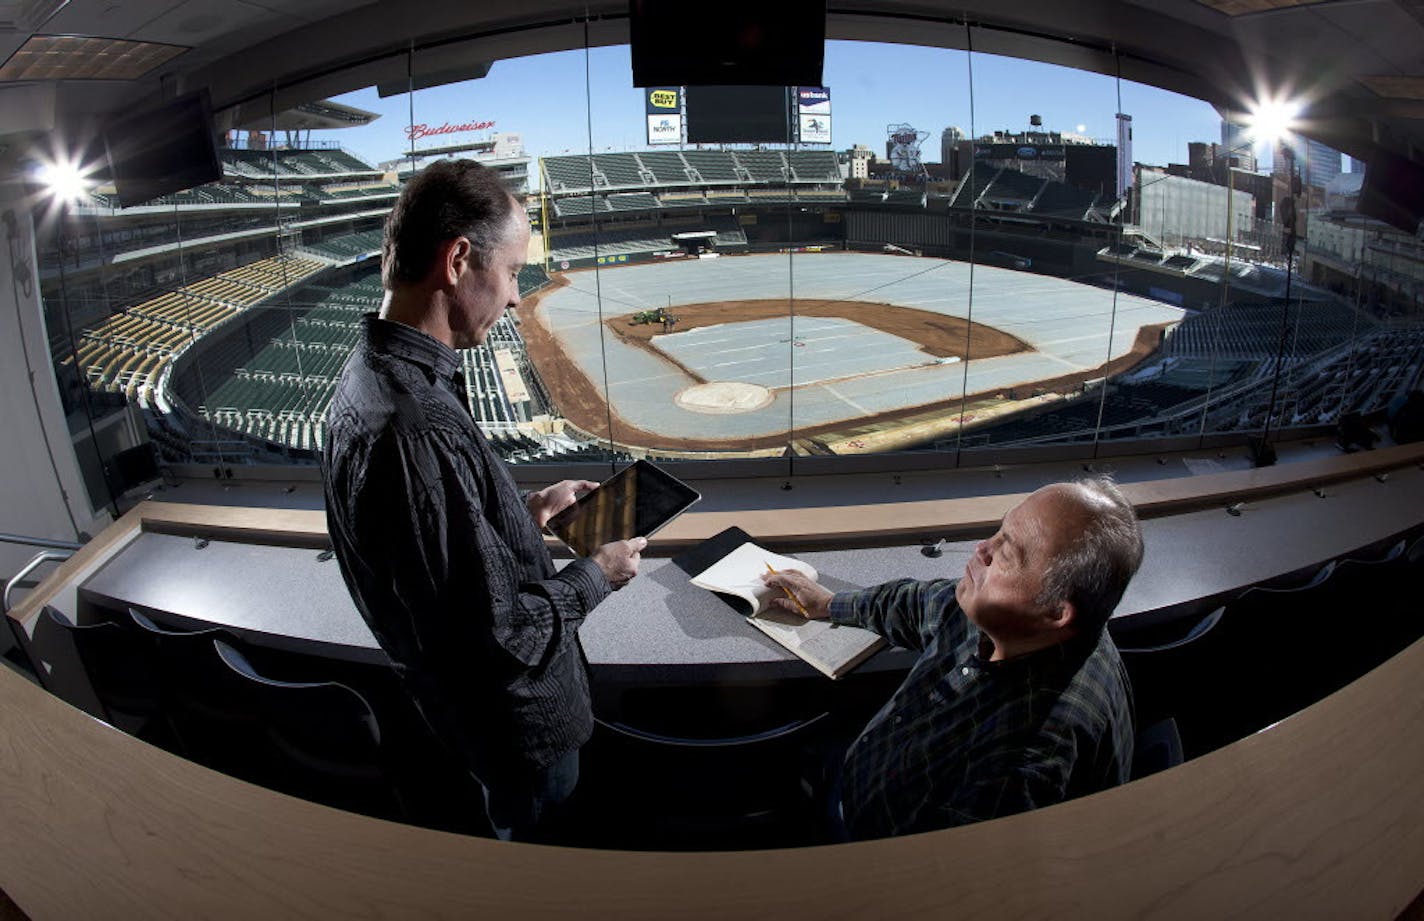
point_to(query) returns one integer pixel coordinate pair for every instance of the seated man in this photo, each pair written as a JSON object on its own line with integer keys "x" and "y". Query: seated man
{"x": 1018, "y": 699}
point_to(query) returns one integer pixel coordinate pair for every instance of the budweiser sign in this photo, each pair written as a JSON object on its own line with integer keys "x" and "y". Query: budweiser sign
{"x": 416, "y": 132}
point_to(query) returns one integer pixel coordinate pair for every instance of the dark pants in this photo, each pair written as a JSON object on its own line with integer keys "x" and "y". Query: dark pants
{"x": 527, "y": 806}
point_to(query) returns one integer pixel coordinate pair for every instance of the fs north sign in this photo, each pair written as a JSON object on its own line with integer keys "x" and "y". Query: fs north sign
{"x": 663, "y": 105}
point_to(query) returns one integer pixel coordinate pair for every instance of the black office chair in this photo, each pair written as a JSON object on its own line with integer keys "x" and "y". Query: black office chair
{"x": 122, "y": 672}
{"x": 1178, "y": 679}
{"x": 1281, "y": 647}
{"x": 320, "y": 739}
{"x": 202, "y": 699}
{"x": 701, "y": 769}
{"x": 1376, "y": 602}
{"x": 1156, "y": 748}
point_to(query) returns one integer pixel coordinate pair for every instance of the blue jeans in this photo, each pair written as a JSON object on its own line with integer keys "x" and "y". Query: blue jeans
{"x": 524, "y": 807}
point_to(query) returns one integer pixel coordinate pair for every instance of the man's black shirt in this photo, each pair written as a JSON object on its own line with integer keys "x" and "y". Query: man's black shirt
{"x": 447, "y": 565}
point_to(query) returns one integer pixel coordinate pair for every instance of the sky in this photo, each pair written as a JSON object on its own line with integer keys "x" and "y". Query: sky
{"x": 574, "y": 101}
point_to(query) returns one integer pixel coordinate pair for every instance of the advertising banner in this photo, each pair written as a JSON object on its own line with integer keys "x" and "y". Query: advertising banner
{"x": 663, "y": 100}
{"x": 815, "y": 129}
{"x": 1018, "y": 152}
{"x": 813, "y": 111}
{"x": 663, "y": 105}
{"x": 665, "y": 129}
{"x": 813, "y": 100}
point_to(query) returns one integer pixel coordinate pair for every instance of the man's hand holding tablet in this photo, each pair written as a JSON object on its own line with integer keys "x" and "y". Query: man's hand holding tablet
{"x": 611, "y": 524}
{"x": 619, "y": 560}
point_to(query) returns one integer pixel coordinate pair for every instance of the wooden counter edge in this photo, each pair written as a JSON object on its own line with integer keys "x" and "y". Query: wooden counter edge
{"x": 80, "y": 565}
{"x": 803, "y": 528}
{"x": 1319, "y": 816}
{"x": 844, "y": 525}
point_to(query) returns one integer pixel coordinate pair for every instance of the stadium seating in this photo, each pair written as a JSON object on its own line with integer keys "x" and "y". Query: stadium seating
{"x": 1061, "y": 200}
{"x": 636, "y": 201}
{"x": 127, "y": 352}
{"x": 345, "y": 247}
{"x": 713, "y": 165}
{"x": 587, "y": 204}
{"x": 667, "y": 166}
{"x": 814, "y": 166}
{"x": 568, "y": 174}
{"x": 973, "y": 185}
{"x": 1253, "y": 330}
{"x": 764, "y": 165}
{"x": 617, "y": 170}
{"x": 1012, "y": 190}
{"x": 273, "y": 379}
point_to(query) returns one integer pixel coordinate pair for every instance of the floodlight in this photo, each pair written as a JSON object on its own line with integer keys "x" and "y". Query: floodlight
{"x": 65, "y": 180}
{"x": 1272, "y": 119}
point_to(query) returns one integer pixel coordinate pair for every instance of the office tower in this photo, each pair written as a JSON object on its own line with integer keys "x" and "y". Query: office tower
{"x": 1322, "y": 164}
{"x": 1124, "y": 154}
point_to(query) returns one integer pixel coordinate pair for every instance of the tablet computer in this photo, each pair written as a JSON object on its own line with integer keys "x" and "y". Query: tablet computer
{"x": 635, "y": 502}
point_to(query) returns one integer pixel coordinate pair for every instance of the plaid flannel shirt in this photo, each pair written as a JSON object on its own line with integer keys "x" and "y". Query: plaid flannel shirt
{"x": 964, "y": 739}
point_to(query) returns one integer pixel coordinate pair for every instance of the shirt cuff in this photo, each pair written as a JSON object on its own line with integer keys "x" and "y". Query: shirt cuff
{"x": 843, "y": 609}
{"x": 589, "y": 584}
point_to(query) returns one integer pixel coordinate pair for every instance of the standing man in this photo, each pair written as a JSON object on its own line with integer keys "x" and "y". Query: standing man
{"x": 442, "y": 555}
{"x": 1019, "y": 699}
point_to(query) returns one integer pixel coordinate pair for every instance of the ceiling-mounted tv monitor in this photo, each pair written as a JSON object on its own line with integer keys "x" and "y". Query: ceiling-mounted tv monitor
{"x": 739, "y": 115}
{"x": 163, "y": 150}
{"x": 730, "y": 43}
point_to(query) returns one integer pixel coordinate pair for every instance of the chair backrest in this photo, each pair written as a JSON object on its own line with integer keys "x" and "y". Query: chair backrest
{"x": 1178, "y": 678}
{"x": 1156, "y": 748}
{"x": 323, "y": 722}
{"x": 320, "y": 739}
{"x": 200, "y": 695}
{"x": 120, "y": 669}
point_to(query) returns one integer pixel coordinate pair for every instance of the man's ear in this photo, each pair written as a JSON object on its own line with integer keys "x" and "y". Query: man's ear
{"x": 1062, "y": 616}
{"x": 452, "y": 258}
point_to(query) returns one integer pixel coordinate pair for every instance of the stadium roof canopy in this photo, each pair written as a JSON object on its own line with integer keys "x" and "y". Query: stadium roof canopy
{"x": 1360, "y": 62}
{"x": 321, "y": 115}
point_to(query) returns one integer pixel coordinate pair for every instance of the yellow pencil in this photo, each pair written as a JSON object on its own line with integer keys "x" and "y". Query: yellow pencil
{"x": 790, "y": 594}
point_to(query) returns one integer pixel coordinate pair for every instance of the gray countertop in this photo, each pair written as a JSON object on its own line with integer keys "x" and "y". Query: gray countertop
{"x": 287, "y": 597}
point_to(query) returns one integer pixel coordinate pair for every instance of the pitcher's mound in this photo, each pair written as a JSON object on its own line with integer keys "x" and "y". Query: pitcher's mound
{"x": 723, "y": 397}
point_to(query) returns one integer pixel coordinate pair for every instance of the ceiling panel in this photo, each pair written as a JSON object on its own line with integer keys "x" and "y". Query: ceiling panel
{"x": 1395, "y": 87}
{"x": 107, "y": 18}
{"x": 1391, "y": 33}
{"x": 202, "y": 22}
{"x": 76, "y": 57}
{"x": 1307, "y": 39}
{"x": 310, "y": 10}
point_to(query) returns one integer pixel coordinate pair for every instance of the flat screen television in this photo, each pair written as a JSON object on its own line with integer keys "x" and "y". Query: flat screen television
{"x": 163, "y": 150}
{"x": 741, "y": 42}
{"x": 739, "y": 115}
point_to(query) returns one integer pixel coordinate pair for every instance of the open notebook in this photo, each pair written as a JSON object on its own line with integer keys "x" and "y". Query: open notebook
{"x": 736, "y": 578}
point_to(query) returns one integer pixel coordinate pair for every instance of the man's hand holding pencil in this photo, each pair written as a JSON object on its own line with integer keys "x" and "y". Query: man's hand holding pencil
{"x": 799, "y": 594}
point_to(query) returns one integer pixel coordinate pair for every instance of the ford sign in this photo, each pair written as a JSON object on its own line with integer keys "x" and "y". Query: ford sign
{"x": 1027, "y": 153}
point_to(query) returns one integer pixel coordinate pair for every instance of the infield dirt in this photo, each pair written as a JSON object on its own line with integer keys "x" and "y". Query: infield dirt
{"x": 578, "y": 397}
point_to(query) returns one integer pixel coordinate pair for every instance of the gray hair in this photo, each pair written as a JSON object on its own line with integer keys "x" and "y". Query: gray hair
{"x": 1092, "y": 572}
{"x": 447, "y": 199}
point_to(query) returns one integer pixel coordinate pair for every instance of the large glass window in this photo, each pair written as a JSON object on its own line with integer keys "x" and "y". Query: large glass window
{"x": 996, "y": 254}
